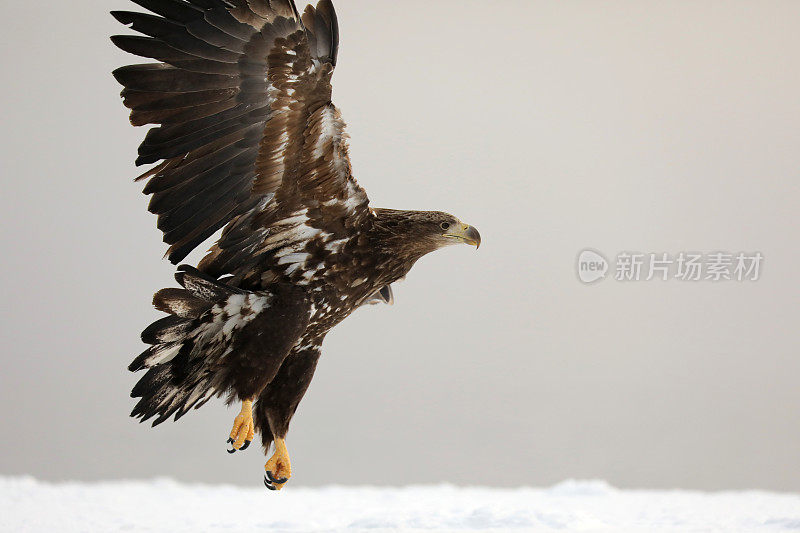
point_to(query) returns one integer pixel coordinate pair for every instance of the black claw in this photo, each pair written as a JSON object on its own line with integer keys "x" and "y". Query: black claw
{"x": 230, "y": 441}
{"x": 268, "y": 484}
{"x": 232, "y": 450}
{"x": 275, "y": 480}
{"x": 245, "y": 445}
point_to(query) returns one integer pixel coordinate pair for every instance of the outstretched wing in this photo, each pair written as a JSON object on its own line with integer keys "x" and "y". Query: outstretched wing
{"x": 246, "y": 136}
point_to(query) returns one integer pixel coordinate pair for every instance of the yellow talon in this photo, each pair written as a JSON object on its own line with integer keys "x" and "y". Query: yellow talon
{"x": 278, "y": 467}
{"x": 243, "y": 428}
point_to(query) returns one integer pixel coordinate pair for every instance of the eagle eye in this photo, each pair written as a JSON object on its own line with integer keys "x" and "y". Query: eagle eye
{"x": 445, "y": 225}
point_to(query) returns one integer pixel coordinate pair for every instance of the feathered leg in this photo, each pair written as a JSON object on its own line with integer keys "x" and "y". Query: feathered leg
{"x": 218, "y": 339}
{"x": 276, "y": 406}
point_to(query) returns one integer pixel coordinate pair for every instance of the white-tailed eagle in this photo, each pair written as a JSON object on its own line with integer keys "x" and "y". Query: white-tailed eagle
{"x": 247, "y": 139}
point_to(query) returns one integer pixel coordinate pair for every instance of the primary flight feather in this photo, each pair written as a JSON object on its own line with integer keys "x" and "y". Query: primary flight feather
{"x": 248, "y": 140}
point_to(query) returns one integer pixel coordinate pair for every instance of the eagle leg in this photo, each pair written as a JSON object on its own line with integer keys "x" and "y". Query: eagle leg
{"x": 278, "y": 467}
{"x": 243, "y": 428}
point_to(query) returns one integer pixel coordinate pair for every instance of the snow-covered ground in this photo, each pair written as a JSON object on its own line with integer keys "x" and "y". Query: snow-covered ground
{"x": 162, "y": 505}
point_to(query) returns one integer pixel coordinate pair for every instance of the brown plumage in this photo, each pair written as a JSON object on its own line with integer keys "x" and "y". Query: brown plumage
{"x": 247, "y": 138}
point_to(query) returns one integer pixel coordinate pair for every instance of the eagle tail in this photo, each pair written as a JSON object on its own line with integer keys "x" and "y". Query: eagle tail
{"x": 184, "y": 346}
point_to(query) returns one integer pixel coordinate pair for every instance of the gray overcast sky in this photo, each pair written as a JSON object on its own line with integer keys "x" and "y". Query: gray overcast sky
{"x": 551, "y": 126}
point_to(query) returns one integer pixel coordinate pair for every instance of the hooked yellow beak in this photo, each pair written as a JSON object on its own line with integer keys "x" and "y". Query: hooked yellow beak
{"x": 465, "y": 233}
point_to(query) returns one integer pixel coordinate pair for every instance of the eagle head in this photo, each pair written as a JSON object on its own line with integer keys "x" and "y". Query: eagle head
{"x": 412, "y": 234}
{"x": 443, "y": 229}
